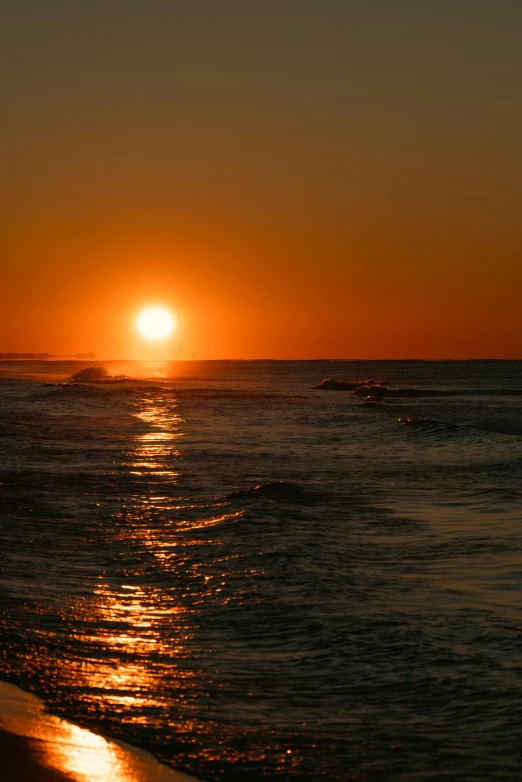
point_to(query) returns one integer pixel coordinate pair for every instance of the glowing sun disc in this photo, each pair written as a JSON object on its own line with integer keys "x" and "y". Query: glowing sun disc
{"x": 155, "y": 323}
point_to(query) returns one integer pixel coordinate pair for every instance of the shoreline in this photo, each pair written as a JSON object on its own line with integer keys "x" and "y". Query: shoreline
{"x": 36, "y": 746}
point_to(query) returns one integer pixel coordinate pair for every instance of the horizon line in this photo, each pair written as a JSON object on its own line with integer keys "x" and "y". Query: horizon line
{"x": 6, "y": 358}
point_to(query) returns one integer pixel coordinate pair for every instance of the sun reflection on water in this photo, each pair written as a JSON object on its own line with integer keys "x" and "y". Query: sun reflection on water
{"x": 128, "y": 645}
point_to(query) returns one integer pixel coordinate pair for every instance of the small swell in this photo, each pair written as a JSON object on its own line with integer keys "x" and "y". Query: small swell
{"x": 383, "y": 392}
{"x": 116, "y": 386}
{"x": 429, "y": 424}
{"x": 74, "y": 388}
{"x": 329, "y": 384}
{"x": 506, "y": 427}
{"x": 379, "y": 389}
{"x": 487, "y": 392}
{"x": 426, "y": 423}
{"x": 374, "y": 389}
{"x": 279, "y": 491}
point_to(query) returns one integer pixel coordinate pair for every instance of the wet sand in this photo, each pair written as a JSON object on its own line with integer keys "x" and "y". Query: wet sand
{"x": 38, "y": 747}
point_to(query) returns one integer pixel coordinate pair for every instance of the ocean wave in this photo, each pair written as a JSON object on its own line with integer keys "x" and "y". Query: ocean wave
{"x": 433, "y": 425}
{"x": 97, "y": 374}
{"x": 509, "y": 428}
{"x": 280, "y": 491}
{"x": 485, "y": 392}
{"x": 425, "y": 422}
{"x": 125, "y": 388}
{"x": 384, "y": 392}
{"x": 76, "y": 389}
{"x": 380, "y": 389}
{"x": 330, "y": 384}
{"x": 498, "y": 496}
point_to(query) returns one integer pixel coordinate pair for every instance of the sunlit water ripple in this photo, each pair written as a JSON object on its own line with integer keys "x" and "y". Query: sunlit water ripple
{"x": 257, "y": 580}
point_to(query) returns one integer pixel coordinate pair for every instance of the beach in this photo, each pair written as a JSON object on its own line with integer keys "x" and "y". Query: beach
{"x": 36, "y": 746}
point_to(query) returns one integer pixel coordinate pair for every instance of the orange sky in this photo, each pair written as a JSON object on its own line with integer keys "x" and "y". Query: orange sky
{"x": 297, "y": 181}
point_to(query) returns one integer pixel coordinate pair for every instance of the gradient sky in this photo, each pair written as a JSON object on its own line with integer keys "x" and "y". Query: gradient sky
{"x": 295, "y": 178}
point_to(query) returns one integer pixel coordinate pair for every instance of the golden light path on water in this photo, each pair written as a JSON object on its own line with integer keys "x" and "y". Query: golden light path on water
{"x": 140, "y": 634}
{"x": 126, "y": 620}
{"x": 131, "y": 648}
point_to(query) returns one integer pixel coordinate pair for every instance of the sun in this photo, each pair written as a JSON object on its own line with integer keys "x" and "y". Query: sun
{"x": 155, "y": 323}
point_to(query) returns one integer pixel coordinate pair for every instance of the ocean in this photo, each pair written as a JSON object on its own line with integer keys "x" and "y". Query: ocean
{"x": 258, "y": 580}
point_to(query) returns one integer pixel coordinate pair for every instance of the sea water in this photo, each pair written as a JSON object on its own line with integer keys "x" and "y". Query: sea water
{"x": 258, "y": 580}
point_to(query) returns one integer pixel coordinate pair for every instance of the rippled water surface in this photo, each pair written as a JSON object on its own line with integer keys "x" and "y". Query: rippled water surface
{"x": 258, "y": 580}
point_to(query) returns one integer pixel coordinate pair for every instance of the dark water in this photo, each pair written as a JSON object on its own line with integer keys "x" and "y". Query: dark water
{"x": 358, "y": 615}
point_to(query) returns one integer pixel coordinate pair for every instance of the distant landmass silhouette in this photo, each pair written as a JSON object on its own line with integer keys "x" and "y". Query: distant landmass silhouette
{"x": 43, "y": 356}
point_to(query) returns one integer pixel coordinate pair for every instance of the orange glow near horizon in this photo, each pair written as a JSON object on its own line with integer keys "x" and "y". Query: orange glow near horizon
{"x": 319, "y": 184}
{"x": 374, "y": 305}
